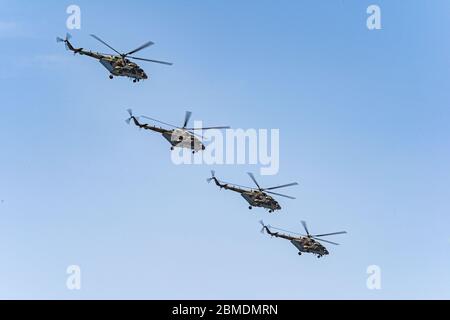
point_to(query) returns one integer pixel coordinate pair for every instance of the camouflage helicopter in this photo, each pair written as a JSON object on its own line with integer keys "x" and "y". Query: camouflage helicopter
{"x": 118, "y": 65}
{"x": 255, "y": 197}
{"x": 181, "y": 137}
{"x": 304, "y": 243}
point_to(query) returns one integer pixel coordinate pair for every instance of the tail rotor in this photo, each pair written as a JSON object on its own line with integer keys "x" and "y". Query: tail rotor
{"x": 213, "y": 176}
{"x": 66, "y": 40}
{"x": 130, "y": 112}
{"x": 263, "y": 229}
{"x": 68, "y": 37}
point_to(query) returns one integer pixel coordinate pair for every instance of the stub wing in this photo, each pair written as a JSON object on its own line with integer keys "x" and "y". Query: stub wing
{"x": 107, "y": 64}
{"x": 297, "y": 245}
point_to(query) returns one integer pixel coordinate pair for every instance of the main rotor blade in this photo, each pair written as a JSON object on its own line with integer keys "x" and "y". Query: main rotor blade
{"x": 235, "y": 185}
{"x": 330, "y": 234}
{"x": 100, "y": 40}
{"x": 164, "y": 123}
{"x": 150, "y": 60}
{"x": 283, "y": 186}
{"x": 195, "y": 134}
{"x": 291, "y": 232}
{"x": 208, "y": 128}
{"x": 306, "y": 227}
{"x": 279, "y": 194}
{"x": 145, "y": 45}
{"x": 336, "y": 244}
{"x": 254, "y": 180}
{"x": 187, "y": 117}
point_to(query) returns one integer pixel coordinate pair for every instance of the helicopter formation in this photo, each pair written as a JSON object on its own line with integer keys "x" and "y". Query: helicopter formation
{"x": 120, "y": 65}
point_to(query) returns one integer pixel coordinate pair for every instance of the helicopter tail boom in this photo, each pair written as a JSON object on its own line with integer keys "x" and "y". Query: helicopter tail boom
{"x": 216, "y": 181}
{"x": 136, "y": 122}
{"x": 142, "y": 126}
{"x": 213, "y": 178}
{"x": 72, "y": 48}
{"x": 269, "y": 232}
{"x": 226, "y": 185}
{"x": 223, "y": 185}
{"x": 266, "y": 228}
{"x": 80, "y": 51}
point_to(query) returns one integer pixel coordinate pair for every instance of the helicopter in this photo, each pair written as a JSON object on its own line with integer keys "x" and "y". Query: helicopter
{"x": 181, "y": 137}
{"x": 255, "y": 197}
{"x": 118, "y": 65}
{"x": 304, "y": 243}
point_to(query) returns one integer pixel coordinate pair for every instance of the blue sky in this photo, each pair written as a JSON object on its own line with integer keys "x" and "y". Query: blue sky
{"x": 363, "y": 118}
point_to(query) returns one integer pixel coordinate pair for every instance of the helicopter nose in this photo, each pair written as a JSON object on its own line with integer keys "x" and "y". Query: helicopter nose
{"x": 144, "y": 76}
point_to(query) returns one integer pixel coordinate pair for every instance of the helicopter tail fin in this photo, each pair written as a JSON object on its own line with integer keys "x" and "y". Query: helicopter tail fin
{"x": 266, "y": 229}
{"x": 213, "y": 178}
{"x": 135, "y": 119}
{"x": 263, "y": 226}
{"x": 69, "y": 45}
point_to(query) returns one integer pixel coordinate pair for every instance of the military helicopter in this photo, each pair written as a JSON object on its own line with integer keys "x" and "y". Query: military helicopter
{"x": 304, "y": 243}
{"x": 118, "y": 65}
{"x": 255, "y": 197}
{"x": 181, "y": 137}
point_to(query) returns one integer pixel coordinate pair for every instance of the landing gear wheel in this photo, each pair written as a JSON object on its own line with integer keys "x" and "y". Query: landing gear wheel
{"x": 299, "y": 253}
{"x": 134, "y": 81}
{"x": 193, "y": 152}
{"x": 111, "y": 77}
{"x": 171, "y": 148}
{"x": 250, "y": 208}
{"x": 270, "y": 211}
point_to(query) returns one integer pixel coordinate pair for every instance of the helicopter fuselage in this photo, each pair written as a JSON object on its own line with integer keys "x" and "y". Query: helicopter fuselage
{"x": 308, "y": 245}
{"x": 261, "y": 199}
{"x": 183, "y": 139}
{"x": 123, "y": 67}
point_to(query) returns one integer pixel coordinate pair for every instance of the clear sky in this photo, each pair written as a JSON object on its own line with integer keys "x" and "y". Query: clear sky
{"x": 364, "y": 127}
